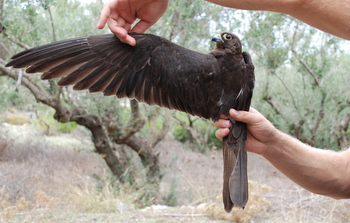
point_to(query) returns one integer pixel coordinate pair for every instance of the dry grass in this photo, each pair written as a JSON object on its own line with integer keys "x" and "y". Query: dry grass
{"x": 17, "y": 119}
{"x": 256, "y": 206}
{"x": 36, "y": 174}
{"x": 60, "y": 179}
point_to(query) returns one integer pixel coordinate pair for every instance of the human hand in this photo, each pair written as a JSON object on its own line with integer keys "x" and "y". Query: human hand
{"x": 121, "y": 14}
{"x": 261, "y": 132}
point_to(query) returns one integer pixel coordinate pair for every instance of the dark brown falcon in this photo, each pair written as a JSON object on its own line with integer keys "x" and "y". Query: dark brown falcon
{"x": 159, "y": 72}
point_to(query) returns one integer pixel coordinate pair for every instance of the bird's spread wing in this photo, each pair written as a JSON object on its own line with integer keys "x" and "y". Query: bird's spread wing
{"x": 162, "y": 73}
{"x": 155, "y": 71}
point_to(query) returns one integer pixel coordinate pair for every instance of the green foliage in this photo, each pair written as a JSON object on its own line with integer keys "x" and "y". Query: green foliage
{"x": 48, "y": 122}
{"x": 299, "y": 86}
{"x": 212, "y": 140}
{"x": 181, "y": 134}
{"x": 29, "y": 20}
{"x": 204, "y": 136}
{"x": 154, "y": 117}
{"x": 66, "y": 127}
{"x": 11, "y": 98}
{"x": 264, "y": 39}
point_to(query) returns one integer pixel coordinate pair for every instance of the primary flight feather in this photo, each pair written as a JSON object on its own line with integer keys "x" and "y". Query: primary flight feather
{"x": 159, "y": 72}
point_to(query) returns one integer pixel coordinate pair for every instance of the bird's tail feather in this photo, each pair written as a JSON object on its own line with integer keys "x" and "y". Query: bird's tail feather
{"x": 229, "y": 163}
{"x": 238, "y": 182}
{"x": 235, "y": 187}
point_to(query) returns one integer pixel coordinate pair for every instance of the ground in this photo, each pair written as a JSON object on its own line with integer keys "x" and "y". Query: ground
{"x": 59, "y": 179}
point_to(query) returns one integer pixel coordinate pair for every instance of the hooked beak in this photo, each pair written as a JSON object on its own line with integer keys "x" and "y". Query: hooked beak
{"x": 217, "y": 38}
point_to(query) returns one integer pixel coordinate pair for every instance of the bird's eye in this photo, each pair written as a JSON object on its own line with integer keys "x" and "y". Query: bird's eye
{"x": 227, "y": 36}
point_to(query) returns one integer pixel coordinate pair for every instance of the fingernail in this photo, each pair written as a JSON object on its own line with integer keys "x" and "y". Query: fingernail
{"x": 227, "y": 124}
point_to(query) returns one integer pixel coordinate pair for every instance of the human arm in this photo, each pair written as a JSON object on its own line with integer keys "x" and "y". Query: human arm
{"x": 327, "y": 15}
{"x": 319, "y": 171}
{"x": 330, "y": 16}
{"x": 121, "y": 14}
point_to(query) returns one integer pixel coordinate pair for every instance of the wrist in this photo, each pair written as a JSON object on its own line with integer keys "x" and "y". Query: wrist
{"x": 276, "y": 144}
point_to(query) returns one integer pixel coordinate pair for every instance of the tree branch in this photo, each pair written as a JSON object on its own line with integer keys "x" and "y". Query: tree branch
{"x": 126, "y": 135}
{"x": 52, "y": 23}
{"x": 308, "y": 69}
{"x": 323, "y": 95}
{"x": 16, "y": 41}
{"x": 291, "y": 96}
{"x": 269, "y": 100}
{"x": 166, "y": 125}
{"x": 118, "y": 134}
{"x": 193, "y": 131}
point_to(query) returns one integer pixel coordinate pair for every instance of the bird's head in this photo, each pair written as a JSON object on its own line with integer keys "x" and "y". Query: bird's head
{"x": 228, "y": 42}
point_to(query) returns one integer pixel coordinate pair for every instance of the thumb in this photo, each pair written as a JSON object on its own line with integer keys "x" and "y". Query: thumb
{"x": 245, "y": 116}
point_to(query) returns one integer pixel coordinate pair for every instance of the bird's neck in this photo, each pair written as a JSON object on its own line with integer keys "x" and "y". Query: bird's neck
{"x": 227, "y": 54}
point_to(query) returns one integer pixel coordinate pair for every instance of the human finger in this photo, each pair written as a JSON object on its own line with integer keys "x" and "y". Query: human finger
{"x": 222, "y": 132}
{"x": 121, "y": 29}
{"x": 253, "y": 110}
{"x": 123, "y": 35}
{"x": 224, "y": 117}
{"x": 117, "y": 28}
{"x": 129, "y": 40}
{"x": 250, "y": 117}
{"x": 105, "y": 14}
{"x": 222, "y": 123}
{"x": 141, "y": 26}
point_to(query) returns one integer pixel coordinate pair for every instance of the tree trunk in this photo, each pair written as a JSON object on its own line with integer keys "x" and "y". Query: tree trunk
{"x": 143, "y": 147}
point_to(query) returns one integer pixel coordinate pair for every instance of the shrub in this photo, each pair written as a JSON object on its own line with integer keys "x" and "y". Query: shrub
{"x": 181, "y": 134}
